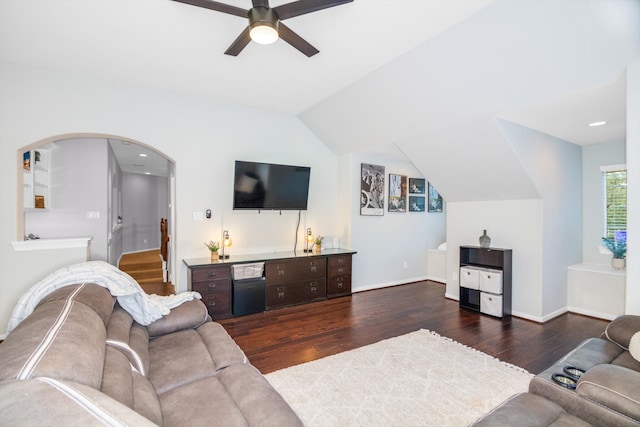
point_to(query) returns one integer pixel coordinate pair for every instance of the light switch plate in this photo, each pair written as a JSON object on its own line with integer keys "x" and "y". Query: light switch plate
{"x": 198, "y": 216}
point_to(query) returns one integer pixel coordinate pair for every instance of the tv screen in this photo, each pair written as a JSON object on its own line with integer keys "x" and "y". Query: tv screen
{"x": 266, "y": 186}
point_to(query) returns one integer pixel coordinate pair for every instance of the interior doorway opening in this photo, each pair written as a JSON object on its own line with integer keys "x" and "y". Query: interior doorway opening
{"x": 118, "y": 191}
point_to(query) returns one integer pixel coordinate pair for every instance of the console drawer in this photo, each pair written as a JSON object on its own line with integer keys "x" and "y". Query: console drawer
{"x": 218, "y": 304}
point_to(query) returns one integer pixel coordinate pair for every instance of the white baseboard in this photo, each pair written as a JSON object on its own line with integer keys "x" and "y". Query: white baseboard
{"x": 591, "y": 313}
{"x": 437, "y": 279}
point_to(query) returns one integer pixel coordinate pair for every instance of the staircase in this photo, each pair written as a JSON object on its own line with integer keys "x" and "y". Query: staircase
{"x": 146, "y": 268}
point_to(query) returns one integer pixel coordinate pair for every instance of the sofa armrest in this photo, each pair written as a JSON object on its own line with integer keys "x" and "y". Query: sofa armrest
{"x": 188, "y": 315}
{"x": 47, "y": 402}
{"x": 614, "y": 387}
{"x": 621, "y": 329}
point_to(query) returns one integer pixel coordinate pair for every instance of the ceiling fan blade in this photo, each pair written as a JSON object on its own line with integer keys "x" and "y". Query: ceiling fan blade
{"x": 301, "y": 7}
{"x": 296, "y": 41}
{"x": 240, "y": 43}
{"x": 217, "y": 6}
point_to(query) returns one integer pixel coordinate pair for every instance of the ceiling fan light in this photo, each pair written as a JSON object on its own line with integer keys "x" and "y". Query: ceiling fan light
{"x": 264, "y": 25}
{"x": 263, "y": 33}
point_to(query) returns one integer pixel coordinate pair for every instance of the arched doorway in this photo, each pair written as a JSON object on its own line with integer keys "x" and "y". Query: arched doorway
{"x": 85, "y": 185}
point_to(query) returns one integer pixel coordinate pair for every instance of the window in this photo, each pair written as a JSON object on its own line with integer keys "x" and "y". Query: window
{"x": 615, "y": 199}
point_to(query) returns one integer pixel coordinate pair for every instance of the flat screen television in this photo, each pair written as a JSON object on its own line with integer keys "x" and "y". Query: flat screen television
{"x": 267, "y": 186}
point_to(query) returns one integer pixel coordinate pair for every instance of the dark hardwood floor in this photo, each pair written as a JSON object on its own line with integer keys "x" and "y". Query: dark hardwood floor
{"x": 278, "y": 339}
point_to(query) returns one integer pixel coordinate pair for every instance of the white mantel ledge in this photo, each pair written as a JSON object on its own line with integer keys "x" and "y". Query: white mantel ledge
{"x": 47, "y": 244}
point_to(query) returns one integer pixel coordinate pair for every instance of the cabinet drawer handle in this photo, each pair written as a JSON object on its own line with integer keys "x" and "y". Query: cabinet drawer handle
{"x": 281, "y": 272}
{"x": 340, "y": 261}
{"x": 340, "y": 284}
{"x": 314, "y": 289}
{"x": 314, "y": 268}
{"x": 280, "y": 294}
{"x": 281, "y": 288}
{"x": 212, "y": 285}
{"x": 314, "y": 283}
{"x": 212, "y": 303}
{"x": 340, "y": 270}
{"x": 212, "y": 274}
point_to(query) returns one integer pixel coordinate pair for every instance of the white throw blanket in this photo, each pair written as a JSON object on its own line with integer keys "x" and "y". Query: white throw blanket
{"x": 144, "y": 308}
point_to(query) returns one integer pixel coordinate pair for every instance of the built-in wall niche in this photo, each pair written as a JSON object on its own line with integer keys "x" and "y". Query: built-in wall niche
{"x": 36, "y": 177}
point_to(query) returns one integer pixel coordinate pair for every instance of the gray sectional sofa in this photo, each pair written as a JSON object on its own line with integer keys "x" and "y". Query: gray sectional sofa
{"x": 607, "y": 394}
{"x": 80, "y": 359}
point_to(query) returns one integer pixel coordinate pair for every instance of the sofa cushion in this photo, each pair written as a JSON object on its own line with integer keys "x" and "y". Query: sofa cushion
{"x": 91, "y": 295}
{"x": 614, "y": 387}
{"x": 53, "y": 402}
{"x": 239, "y": 395}
{"x": 621, "y": 329}
{"x": 126, "y": 385}
{"x": 529, "y": 410}
{"x": 188, "y": 315}
{"x": 130, "y": 338}
{"x": 57, "y": 332}
{"x": 210, "y": 349}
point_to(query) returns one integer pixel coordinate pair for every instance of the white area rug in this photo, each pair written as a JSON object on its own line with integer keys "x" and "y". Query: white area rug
{"x": 418, "y": 379}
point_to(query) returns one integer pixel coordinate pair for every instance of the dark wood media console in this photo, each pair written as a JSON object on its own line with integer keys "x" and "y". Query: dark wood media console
{"x": 292, "y": 278}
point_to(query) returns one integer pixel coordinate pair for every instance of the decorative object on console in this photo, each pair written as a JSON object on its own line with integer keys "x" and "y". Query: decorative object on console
{"x": 618, "y": 247}
{"x": 226, "y": 242}
{"x": 213, "y": 248}
{"x": 435, "y": 200}
{"x": 309, "y": 241}
{"x": 485, "y": 241}
{"x": 318, "y": 243}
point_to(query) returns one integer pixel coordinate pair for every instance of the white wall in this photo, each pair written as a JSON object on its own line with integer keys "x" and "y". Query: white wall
{"x": 202, "y": 137}
{"x": 555, "y": 167}
{"x": 78, "y": 185}
{"x": 144, "y": 202}
{"x": 385, "y": 243}
{"x": 594, "y": 156}
{"x": 515, "y": 225}
{"x": 633, "y": 190}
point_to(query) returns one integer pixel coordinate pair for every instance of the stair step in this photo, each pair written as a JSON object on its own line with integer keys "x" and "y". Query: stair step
{"x": 145, "y": 267}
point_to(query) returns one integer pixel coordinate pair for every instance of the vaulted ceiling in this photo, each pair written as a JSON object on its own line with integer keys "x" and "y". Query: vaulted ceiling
{"x": 427, "y": 79}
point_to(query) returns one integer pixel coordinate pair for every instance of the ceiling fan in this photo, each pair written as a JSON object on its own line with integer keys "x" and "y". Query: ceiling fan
{"x": 265, "y": 23}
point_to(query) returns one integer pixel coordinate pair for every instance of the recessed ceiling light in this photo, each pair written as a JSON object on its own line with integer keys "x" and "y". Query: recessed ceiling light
{"x": 144, "y": 155}
{"x": 594, "y": 124}
{"x": 147, "y": 173}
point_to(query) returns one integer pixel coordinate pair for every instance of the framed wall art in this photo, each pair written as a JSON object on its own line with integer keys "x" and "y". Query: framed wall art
{"x": 416, "y": 203}
{"x": 397, "y": 193}
{"x": 371, "y": 189}
{"x": 435, "y": 200}
{"x": 416, "y": 185}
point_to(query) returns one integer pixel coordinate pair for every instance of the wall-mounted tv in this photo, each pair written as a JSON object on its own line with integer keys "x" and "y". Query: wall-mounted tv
{"x": 267, "y": 186}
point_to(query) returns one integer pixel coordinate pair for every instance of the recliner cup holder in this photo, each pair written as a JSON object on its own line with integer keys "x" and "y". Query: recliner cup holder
{"x": 569, "y": 378}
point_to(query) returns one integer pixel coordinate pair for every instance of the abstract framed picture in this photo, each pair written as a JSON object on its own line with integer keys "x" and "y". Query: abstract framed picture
{"x": 435, "y": 200}
{"x": 371, "y": 189}
{"x": 397, "y": 193}
{"x": 416, "y": 203}
{"x": 416, "y": 185}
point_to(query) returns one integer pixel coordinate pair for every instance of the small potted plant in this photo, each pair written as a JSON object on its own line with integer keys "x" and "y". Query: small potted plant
{"x": 618, "y": 247}
{"x": 318, "y": 243}
{"x": 213, "y": 248}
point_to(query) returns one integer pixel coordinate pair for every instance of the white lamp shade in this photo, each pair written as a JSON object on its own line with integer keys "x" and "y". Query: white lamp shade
{"x": 263, "y": 34}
